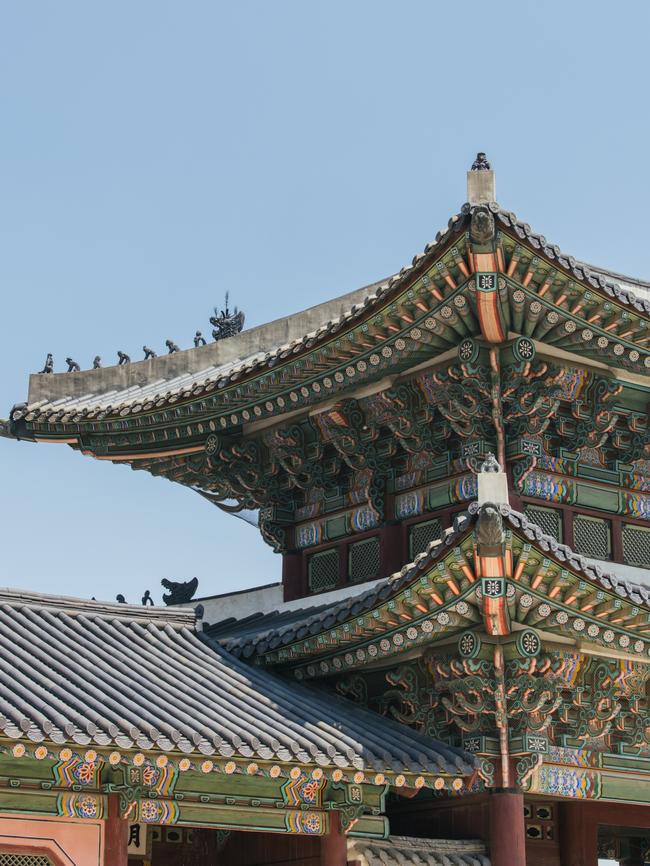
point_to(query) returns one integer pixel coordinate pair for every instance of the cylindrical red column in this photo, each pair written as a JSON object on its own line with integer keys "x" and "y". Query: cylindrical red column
{"x": 116, "y": 835}
{"x": 578, "y": 833}
{"x": 392, "y": 555}
{"x": 334, "y": 846}
{"x": 507, "y": 830}
{"x": 292, "y": 577}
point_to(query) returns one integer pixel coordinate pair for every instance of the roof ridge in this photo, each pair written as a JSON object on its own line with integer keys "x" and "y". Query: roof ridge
{"x": 343, "y": 609}
{"x": 74, "y": 605}
{"x": 625, "y": 278}
{"x": 582, "y": 271}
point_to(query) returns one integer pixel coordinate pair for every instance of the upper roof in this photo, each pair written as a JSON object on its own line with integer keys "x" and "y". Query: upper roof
{"x": 92, "y": 673}
{"x": 186, "y": 368}
{"x": 140, "y": 387}
{"x": 255, "y": 423}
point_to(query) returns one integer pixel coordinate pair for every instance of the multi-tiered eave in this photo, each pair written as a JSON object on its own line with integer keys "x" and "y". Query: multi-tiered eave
{"x": 440, "y": 596}
{"x": 495, "y": 604}
{"x": 492, "y": 339}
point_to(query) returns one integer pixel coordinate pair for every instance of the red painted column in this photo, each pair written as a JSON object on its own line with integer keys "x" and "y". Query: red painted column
{"x": 617, "y": 540}
{"x": 578, "y": 834}
{"x": 568, "y": 528}
{"x": 116, "y": 838}
{"x": 334, "y": 846}
{"x": 391, "y": 548}
{"x": 293, "y": 583}
{"x": 506, "y": 828}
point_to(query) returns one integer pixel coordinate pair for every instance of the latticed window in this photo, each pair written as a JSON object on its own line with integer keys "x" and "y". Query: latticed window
{"x": 549, "y": 520}
{"x": 592, "y": 536}
{"x": 24, "y": 860}
{"x": 636, "y": 545}
{"x": 422, "y": 534}
{"x": 363, "y": 560}
{"x": 323, "y": 570}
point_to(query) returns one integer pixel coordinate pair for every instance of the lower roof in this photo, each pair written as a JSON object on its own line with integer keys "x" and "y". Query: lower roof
{"x": 411, "y": 851}
{"x": 112, "y": 675}
{"x": 258, "y": 633}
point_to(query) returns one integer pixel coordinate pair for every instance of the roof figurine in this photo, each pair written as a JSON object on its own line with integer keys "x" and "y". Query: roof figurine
{"x": 481, "y": 163}
{"x": 171, "y": 347}
{"x": 482, "y": 229}
{"x": 49, "y": 364}
{"x": 179, "y": 593}
{"x": 123, "y": 358}
{"x": 227, "y": 324}
{"x": 489, "y": 530}
{"x": 97, "y": 362}
{"x": 73, "y": 367}
{"x": 490, "y": 464}
{"x": 148, "y": 353}
{"x": 199, "y": 340}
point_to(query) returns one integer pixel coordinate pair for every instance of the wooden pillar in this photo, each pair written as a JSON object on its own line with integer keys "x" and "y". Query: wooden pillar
{"x": 568, "y": 528}
{"x": 293, "y": 584}
{"x": 506, "y": 828}
{"x": 334, "y": 846}
{"x": 116, "y": 834}
{"x": 392, "y": 555}
{"x": 578, "y": 834}
{"x": 617, "y": 539}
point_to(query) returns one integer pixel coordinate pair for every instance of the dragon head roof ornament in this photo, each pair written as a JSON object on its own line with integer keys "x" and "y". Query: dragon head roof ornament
{"x": 226, "y": 324}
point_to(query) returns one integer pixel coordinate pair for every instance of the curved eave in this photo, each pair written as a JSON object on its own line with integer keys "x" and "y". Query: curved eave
{"x": 451, "y": 775}
{"x": 435, "y": 598}
{"x": 299, "y": 363}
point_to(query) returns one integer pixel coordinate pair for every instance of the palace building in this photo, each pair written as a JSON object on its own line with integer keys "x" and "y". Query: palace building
{"x": 454, "y": 466}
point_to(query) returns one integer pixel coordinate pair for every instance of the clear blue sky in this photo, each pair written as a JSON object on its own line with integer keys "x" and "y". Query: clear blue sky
{"x": 154, "y": 155}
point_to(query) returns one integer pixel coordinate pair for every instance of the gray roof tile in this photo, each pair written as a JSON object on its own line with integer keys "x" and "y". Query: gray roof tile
{"x": 93, "y": 673}
{"x": 410, "y": 851}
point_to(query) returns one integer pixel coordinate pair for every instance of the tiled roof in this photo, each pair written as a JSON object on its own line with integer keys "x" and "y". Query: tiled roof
{"x": 92, "y": 673}
{"x": 260, "y": 633}
{"x": 163, "y": 391}
{"x": 601, "y": 574}
{"x": 598, "y": 278}
{"x": 409, "y": 851}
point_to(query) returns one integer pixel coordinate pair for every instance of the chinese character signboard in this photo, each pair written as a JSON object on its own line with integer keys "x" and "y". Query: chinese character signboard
{"x": 138, "y": 840}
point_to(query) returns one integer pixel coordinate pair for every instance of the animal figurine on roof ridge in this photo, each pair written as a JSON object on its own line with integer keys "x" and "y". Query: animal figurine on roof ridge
{"x": 179, "y": 593}
{"x": 49, "y": 364}
{"x": 481, "y": 163}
